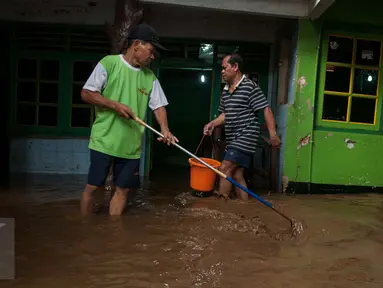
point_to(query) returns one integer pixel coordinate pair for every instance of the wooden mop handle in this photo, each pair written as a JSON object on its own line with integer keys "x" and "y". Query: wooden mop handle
{"x": 138, "y": 120}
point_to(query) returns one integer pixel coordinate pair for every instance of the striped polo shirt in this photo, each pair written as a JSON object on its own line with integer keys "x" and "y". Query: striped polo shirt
{"x": 241, "y": 109}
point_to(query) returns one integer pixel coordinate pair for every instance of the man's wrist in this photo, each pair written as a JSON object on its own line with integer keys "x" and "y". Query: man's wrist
{"x": 111, "y": 104}
{"x": 164, "y": 128}
{"x": 273, "y": 133}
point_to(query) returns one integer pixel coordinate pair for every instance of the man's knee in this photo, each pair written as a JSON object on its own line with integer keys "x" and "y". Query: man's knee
{"x": 238, "y": 174}
{"x": 227, "y": 167}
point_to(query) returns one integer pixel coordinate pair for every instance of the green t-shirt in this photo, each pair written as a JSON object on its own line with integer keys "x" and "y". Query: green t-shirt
{"x": 116, "y": 80}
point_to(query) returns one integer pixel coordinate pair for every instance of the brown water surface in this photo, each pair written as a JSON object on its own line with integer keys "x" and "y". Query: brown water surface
{"x": 181, "y": 241}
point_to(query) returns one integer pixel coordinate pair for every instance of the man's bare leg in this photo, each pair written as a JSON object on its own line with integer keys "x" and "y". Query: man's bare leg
{"x": 98, "y": 199}
{"x": 228, "y": 168}
{"x": 87, "y": 199}
{"x": 118, "y": 202}
{"x": 239, "y": 177}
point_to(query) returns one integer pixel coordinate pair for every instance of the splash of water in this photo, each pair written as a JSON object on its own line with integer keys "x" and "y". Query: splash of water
{"x": 183, "y": 200}
{"x": 297, "y": 227}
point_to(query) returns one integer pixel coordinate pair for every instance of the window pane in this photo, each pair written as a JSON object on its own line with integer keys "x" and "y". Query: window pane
{"x": 26, "y": 114}
{"x": 206, "y": 51}
{"x": 365, "y": 82}
{"x": 362, "y": 110}
{"x": 27, "y": 68}
{"x": 338, "y": 79}
{"x": 367, "y": 53}
{"x": 76, "y": 94}
{"x": 49, "y": 70}
{"x": 340, "y": 49}
{"x": 335, "y": 107}
{"x": 80, "y": 117}
{"x": 82, "y": 71}
{"x": 26, "y": 91}
{"x": 48, "y": 116}
{"x": 49, "y": 93}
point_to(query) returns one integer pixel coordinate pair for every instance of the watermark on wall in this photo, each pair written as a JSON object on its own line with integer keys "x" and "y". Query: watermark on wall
{"x": 7, "y": 248}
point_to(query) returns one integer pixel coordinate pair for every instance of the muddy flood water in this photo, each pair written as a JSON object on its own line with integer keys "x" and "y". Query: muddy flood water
{"x": 177, "y": 240}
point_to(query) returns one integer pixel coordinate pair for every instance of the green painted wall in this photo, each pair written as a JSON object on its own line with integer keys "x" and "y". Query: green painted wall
{"x": 334, "y": 163}
{"x": 327, "y": 159}
{"x": 300, "y": 119}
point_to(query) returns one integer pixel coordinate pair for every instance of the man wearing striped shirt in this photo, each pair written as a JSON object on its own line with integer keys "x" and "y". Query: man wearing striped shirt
{"x": 240, "y": 104}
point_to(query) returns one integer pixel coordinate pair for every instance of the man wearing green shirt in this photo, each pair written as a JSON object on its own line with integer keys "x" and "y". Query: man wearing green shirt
{"x": 121, "y": 88}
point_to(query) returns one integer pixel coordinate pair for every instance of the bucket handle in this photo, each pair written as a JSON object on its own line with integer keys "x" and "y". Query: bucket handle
{"x": 200, "y": 143}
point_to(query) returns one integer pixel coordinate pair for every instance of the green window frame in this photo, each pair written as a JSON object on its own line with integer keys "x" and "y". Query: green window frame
{"x": 66, "y": 45}
{"x": 66, "y": 93}
{"x": 350, "y": 82}
{"x": 75, "y": 105}
{"x": 37, "y": 88}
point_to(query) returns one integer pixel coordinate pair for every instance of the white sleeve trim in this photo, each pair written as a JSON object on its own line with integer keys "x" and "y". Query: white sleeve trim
{"x": 157, "y": 96}
{"x": 97, "y": 80}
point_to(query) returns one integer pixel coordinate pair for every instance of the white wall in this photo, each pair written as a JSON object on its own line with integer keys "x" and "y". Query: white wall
{"x": 91, "y": 12}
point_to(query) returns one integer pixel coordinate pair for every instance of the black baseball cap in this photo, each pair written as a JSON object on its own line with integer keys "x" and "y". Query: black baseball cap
{"x": 146, "y": 33}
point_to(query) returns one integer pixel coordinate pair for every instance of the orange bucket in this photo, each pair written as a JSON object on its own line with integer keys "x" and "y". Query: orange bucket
{"x": 202, "y": 178}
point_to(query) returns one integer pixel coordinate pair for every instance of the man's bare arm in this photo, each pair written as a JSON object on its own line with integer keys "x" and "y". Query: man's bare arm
{"x": 209, "y": 128}
{"x": 270, "y": 123}
{"x": 220, "y": 120}
{"x": 162, "y": 118}
{"x": 95, "y": 98}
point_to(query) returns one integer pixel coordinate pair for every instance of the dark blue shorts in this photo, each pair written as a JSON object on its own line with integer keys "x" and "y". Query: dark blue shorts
{"x": 125, "y": 171}
{"x": 240, "y": 158}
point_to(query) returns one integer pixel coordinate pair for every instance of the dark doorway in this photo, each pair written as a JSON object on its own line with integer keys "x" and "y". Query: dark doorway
{"x": 189, "y": 93}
